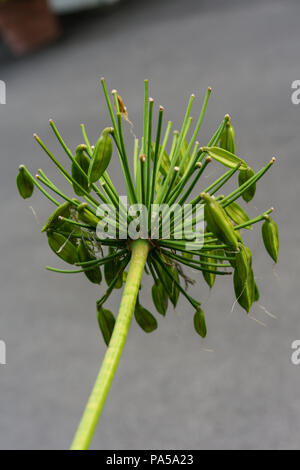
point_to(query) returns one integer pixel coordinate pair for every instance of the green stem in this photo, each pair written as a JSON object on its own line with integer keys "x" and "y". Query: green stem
{"x": 88, "y": 423}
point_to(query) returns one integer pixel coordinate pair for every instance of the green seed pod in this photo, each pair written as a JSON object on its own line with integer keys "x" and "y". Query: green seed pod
{"x": 101, "y": 157}
{"x": 84, "y": 162}
{"x": 111, "y": 269}
{"x": 61, "y": 211}
{"x": 173, "y": 290}
{"x": 237, "y": 214}
{"x": 87, "y": 216}
{"x": 243, "y": 260}
{"x": 199, "y": 323}
{"x": 271, "y": 237}
{"x": 93, "y": 275}
{"x": 256, "y": 293}
{"x": 245, "y": 175}
{"x": 62, "y": 247}
{"x": 160, "y": 297}
{"x": 218, "y": 222}
{"x": 243, "y": 278}
{"x": 144, "y": 318}
{"x": 208, "y": 277}
{"x": 106, "y": 322}
{"x": 227, "y": 138}
{"x": 24, "y": 184}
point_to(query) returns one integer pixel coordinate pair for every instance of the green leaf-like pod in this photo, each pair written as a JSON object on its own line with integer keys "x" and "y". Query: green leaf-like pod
{"x": 237, "y": 214}
{"x": 61, "y": 211}
{"x": 225, "y": 158}
{"x": 84, "y": 162}
{"x": 209, "y": 277}
{"x": 111, "y": 269}
{"x": 144, "y": 318}
{"x": 94, "y": 275}
{"x": 244, "y": 176}
{"x": 87, "y": 216}
{"x": 173, "y": 290}
{"x": 218, "y": 222}
{"x": 200, "y": 323}
{"x": 62, "y": 247}
{"x": 106, "y": 321}
{"x": 160, "y": 297}
{"x": 24, "y": 184}
{"x": 271, "y": 237}
{"x": 256, "y": 293}
{"x": 227, "y": 138}
{"x": 101, "y": 157}
{"x": 243, "y": 278}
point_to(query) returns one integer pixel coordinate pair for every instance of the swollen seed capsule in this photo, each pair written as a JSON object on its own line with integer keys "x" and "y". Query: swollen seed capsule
{"x": 93, "y": 275}
{"x": 106, "y": 322}
{"x": 271, "y": 237}
{"x": 227, "y": 138}
{"x": 62, "y": 247}
{"x": 218, "y": 222}
{"x": 243, "y": 279}
{"x": 87, "y": 216}
{"x": 256, "y": 293}
{"x": 101, "y": 157}
{"x": 111, "y": 269}
{"x": 208, "y": 276}
{"x": 200, "y": 323}
{"x": 24, "y": 184}
{"x": 173, "y": 290}
{"x": 245, "y": 175}
{"x": 237, "y": 214}
{"x": 145, "y": 319}
{"x": 61, "y": 211}
{"x": 81, "y": 178}
{"x": 159, "y": 297}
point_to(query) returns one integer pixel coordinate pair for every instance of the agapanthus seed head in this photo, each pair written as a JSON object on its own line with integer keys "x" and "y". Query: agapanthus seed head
{"x": 163, "y": 175}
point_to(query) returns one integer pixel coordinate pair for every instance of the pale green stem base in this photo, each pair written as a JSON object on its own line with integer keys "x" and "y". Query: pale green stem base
{"x": 92, "y": 412}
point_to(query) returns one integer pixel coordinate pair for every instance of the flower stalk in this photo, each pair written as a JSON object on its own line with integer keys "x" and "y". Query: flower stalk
{"x": 92, "y": 412}
{"x": 203, "y": 235}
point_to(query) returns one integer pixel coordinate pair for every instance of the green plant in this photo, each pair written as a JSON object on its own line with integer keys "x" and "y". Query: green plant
{"x": 162, "y": 178}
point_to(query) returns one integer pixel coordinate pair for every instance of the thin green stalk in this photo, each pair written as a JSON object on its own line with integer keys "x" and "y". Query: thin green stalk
{"x": 148, "y": 172}
{"x": 88, "y": 423}
{"x": 162, "y": 150}
{"x": 155, "y": 157}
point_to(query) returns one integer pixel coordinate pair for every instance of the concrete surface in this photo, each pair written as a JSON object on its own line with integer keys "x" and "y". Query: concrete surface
{"x": 169, "y": 392}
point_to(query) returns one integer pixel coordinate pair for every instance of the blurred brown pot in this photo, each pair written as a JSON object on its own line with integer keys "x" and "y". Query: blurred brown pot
{"x": 27, "y": 25}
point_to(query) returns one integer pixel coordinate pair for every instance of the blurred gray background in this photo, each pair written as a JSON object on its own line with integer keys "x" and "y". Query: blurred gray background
{"x": 169, "y": 391}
